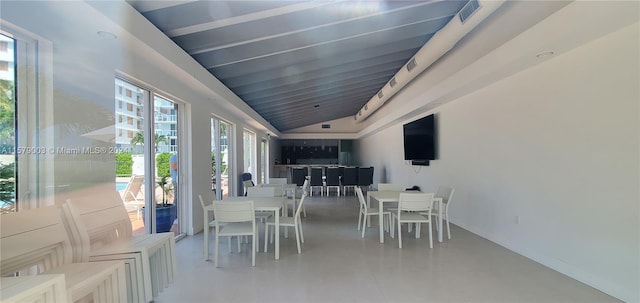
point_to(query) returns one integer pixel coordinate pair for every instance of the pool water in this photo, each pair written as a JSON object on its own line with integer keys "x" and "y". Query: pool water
{"x": 121, "y": 186}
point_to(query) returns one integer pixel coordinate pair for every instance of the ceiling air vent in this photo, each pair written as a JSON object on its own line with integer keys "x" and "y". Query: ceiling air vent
{"x": 468, "y": 10}
{"x": 393, "y": 82}
{"x": 326, "y": 125}
{"x": 380, "y": 95}
{"x": 412, "y": 64}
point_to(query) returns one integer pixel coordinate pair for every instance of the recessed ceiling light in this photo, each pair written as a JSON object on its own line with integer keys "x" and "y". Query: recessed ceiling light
{"x": 107, "y": 35}
{"x": 544, "y": 55}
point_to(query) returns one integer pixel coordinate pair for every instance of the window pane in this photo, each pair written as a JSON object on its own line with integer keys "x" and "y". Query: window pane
{"x": 249, "y": 154}
{"x": 167, "y": 165}
{"x": 7, "y": 126}
{"x": 215, "y": 160}
{"x": 130, "y": 165}
{"x": 225, "y": 150}
{"x": 263, "y": 161}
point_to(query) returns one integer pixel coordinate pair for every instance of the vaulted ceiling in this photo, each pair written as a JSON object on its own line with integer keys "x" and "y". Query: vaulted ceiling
{"x": 298, "y": 63}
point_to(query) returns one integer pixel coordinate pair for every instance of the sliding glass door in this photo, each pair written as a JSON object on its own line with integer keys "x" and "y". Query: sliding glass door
{"x": 147, "y": 163}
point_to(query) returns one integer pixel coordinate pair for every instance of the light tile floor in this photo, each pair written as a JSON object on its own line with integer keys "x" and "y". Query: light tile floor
{"x": 337, "y": 265}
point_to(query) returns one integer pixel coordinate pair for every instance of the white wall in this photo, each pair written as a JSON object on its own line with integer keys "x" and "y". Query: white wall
{"x": 556, "y": 145}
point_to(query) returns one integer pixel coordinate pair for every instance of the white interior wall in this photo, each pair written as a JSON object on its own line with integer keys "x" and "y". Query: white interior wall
{"x": 556, "y": 146}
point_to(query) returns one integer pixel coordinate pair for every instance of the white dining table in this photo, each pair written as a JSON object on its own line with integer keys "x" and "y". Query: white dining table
{"x": 273, "y": 204}
{"x": 387, "y": 196}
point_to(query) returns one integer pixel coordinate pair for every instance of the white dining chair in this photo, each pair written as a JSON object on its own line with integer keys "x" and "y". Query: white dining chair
{"x": 239, "y": 219}
{"x": 278, "y": 189}
{"x": 366, "y": 212}
{"x": 390, "y": 187}
{"x": 305, "y": 187}
{"x": 278, "y": 181}
{"x": 210, "y": 225}
{"x": 262, "y": 192}
{"x": 294, "y": 222}
{"x": 413, "y": 208}
{"x": 446, "y": 194}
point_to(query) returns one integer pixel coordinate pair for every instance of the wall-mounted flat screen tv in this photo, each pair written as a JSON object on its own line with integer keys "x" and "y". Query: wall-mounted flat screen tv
{"x": 420, "y": 139}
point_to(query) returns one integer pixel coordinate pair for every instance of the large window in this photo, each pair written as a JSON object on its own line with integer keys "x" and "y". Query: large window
{"x": 26, "y": 177}
{"x": 7, "y": 126}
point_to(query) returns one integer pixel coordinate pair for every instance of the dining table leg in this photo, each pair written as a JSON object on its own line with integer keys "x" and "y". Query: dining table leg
{"x": 286, "y": 213}
{"x": 206, "y": 232}
{"x": 206, "y": 239}
{"x": 277, "y": 227}
{"x": 381, "y": 220}
{"x": 441, "y": 221}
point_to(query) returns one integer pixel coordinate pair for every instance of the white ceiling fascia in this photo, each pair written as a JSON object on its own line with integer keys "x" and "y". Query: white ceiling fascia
{"x": 149, "y": 5}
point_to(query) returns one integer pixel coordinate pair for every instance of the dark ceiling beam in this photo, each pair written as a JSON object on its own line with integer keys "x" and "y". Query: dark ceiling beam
{"x": 324, "y": 105}
{"x": 359, "y": 88}
{"x": 226, "y": 23}
{"x": 307, "y": 62}
{"x": 305, "y": 120}
{"x": 290, "y": 73}
{"x": 269, "y": 96}
{"x": 278, "y": 86}
{"x": 314, "y": 22}
{"x": 363, "y": 92}
{"x": 286, "y": 45}
{"x": 330, "y": 48}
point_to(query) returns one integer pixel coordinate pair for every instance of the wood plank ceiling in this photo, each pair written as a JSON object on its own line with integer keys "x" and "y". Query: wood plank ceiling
{"x": 298, "y": 63}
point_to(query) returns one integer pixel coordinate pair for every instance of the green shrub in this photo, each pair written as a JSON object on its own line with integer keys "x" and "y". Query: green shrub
{"x": 223, "y": 166}
{"x": 162, "y": 164}
{"x": 124, "y": 163}
{"x": 7, "y": 188}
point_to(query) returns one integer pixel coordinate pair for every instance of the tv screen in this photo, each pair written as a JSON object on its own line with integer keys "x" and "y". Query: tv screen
{"x": 420, "y": 139}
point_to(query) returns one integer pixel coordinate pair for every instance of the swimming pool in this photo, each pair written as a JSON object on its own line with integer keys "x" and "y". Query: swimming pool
{"x": 121, "y": 186}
